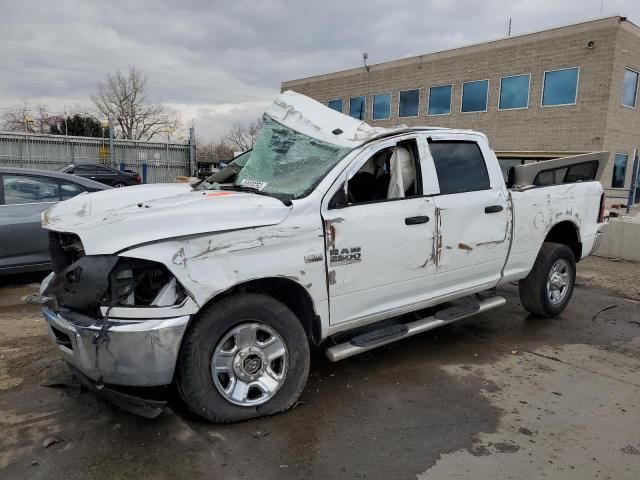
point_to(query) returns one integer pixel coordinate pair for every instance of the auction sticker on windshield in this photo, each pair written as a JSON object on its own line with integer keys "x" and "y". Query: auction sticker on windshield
{"x": 255, "y": 184}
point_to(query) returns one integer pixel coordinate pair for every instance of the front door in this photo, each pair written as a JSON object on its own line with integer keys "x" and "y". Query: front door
{"x": 381, "y": 240}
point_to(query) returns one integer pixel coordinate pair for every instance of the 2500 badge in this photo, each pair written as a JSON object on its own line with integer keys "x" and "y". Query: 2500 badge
{"x": 345, "y": 256}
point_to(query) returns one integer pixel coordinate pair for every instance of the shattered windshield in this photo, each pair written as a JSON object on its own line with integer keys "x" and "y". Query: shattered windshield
{"x": 284, "y": 162}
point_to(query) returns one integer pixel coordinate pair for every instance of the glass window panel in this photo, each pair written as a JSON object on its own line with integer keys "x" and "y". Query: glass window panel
{"x": 460, "y": 167}
{"x": 440, "y": 100}
{"x": 336, "y": 105}
{"x": 630, "y": 89}
{"x": 381, "y": 106}
{"x": 69, "y": 190}
{"x": 26, "y": 189}
{"x": 357, "y": 107}
{"x": 514, "y": 92}
{"x": 560, "y": 87}
{"x": 474, "y": 96}
{"x": 619, "y": 170}
{"x": 409, "y": 103}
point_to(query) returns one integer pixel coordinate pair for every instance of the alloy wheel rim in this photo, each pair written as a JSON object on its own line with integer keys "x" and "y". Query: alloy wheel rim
{"x": 249, "y": 364}
{"x": 558, "y": 281}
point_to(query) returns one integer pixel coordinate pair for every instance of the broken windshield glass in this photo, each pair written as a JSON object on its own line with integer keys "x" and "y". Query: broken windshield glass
{"x": 285, "y": 162}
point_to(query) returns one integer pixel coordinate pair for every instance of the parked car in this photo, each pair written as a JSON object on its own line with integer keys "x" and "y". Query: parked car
{"x": 331, "y": 233}
{"x": 104, "y": 174}
{"x": 24, "y": 195}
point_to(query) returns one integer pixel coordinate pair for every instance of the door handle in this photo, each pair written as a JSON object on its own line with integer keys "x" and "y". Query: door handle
{"x": 416, "y": 220}
{"x": 493, "y": 209}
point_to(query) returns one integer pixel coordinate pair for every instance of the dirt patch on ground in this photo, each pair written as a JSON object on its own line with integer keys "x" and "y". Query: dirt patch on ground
{"x": 622, "y": 277}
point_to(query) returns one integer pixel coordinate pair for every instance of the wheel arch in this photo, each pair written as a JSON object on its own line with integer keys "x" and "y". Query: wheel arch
{"x": 566, "y": 233}
{"x": 287, "y": 291}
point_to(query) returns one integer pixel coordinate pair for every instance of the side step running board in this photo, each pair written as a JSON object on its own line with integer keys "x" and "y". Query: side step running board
{"x": 386, "y": 335}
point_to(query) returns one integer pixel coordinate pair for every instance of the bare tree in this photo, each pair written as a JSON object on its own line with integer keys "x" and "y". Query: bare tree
{"x": 242, "y": 137}
{"x": 124, "y": 97}
{"x": 214, "y": 151}
{"x": 24, "y": 119}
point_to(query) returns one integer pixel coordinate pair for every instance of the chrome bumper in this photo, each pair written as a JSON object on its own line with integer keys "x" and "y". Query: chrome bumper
{"x": 139, "y": 353}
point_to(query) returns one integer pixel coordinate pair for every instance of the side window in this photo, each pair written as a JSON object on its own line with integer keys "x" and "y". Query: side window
{"x": 104, "y": 170}
{"x": 460, "y": 166}
{"x": 84, "y": 170}
{"x": 390, "y": 173}
{"x": 69, "y": 190}
{"x": 20, "y": 189}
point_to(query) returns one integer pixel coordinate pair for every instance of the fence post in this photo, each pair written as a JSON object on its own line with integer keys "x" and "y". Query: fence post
{"x": 112, "y": 157}
{"x": 192, "y": 152}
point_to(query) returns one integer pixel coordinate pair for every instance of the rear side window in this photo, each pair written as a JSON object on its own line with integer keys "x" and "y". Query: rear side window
{"x": 69, "y": 190}
{"x": 84, "y": 170}
{"x": 460, "y": 166}
{"x": 105, "y": 171}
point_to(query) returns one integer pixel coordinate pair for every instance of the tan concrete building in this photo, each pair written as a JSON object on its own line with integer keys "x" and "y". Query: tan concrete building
{"x": 557, "y": 92}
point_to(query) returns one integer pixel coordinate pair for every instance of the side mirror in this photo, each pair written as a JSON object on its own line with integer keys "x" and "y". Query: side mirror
{"x": 340, "y": 198}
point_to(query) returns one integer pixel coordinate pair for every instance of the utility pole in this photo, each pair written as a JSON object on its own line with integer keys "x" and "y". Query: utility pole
{"x": 509, "y": 28}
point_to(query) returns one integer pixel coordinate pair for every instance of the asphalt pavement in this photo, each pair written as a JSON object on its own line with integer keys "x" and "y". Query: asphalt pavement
{"x": 501, "y": 395}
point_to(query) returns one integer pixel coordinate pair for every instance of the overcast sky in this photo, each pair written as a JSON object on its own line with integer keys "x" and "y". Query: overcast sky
{"x": 223, "y": 61}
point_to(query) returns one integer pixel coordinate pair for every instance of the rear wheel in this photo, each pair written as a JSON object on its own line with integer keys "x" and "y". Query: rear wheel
{"x": 119, "y": 184}
{"x": 547, "y": 290}
{"x": 244, "y": 357}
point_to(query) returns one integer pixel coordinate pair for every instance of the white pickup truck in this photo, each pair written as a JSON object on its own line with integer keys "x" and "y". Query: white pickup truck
{"x": 332, "y": 226}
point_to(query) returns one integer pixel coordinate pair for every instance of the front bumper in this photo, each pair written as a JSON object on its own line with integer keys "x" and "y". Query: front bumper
{"x": 139, "y": 353}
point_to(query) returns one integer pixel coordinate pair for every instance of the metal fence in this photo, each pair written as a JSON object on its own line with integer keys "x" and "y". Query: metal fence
{"x": 155, "y": 161}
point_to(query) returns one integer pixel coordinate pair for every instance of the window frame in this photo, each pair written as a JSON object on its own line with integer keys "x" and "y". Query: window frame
{"x": 343, "y": 180}
{"x": 624, "y": 181}
{"x": 364, "y": 109}
{"x": 431, "y": 140}
{"x": 3, "y": 202}
{"x": 373, "y": 102}
{"x": 635, "y": 98}
{"x": 450, "y": 100}
{"x": 400, "y": 95}
{"x": 528, "y": 92}
{"x": 544, "y": 80}
{"x": 336, "y": 100}
{"x": 486, "y": 101}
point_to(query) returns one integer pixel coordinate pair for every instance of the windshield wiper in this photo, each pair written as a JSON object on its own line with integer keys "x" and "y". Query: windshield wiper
{"x": 241, "y": 188}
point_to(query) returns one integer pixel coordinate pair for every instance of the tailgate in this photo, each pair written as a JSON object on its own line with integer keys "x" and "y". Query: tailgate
{"x": 577, "y": 168}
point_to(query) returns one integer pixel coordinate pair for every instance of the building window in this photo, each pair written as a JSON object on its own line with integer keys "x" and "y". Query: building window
{"x": 336, "y": 105}
{"x": 381, "y": 106}
{"x": 560, "y": 87}
{"x": 619, "y": 170}
{"x": 440, "y": 100}
{"x": 357, "y": 107}
{"x": 474, "y": 96}
{"x": 630, "y": 88}
{"x": 514, "y": 92}
{"x": 409, "y": 105}
{"x": 460, "y": 166}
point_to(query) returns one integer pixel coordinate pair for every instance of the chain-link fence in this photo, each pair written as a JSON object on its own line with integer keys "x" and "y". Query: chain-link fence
{"x": 155, "y": 161}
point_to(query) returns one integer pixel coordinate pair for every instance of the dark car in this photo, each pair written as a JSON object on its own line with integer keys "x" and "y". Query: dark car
{"x": 104, "y": 174}
{"x": 24, "y": 195}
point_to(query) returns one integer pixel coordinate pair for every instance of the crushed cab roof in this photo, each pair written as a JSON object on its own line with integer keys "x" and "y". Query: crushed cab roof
{"x": 312, "y": 118}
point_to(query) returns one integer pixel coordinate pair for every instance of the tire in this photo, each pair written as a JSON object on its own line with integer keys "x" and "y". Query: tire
{"x": 220, "y": 329}
{"x": 537, "y": 289}
{"x": 119, "y": 185}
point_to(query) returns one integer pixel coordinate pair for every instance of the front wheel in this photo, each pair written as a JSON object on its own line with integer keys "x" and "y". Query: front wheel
{"x": 547, "y": 290}
{"x": 243, "y": 357}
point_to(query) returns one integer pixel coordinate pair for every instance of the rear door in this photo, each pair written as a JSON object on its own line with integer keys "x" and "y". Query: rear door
{"x": 23, "y": 198}
{"x": 473, "y": 213}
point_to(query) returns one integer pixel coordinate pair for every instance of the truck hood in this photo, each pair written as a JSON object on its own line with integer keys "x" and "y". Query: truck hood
{"x": 113, "y": 220}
